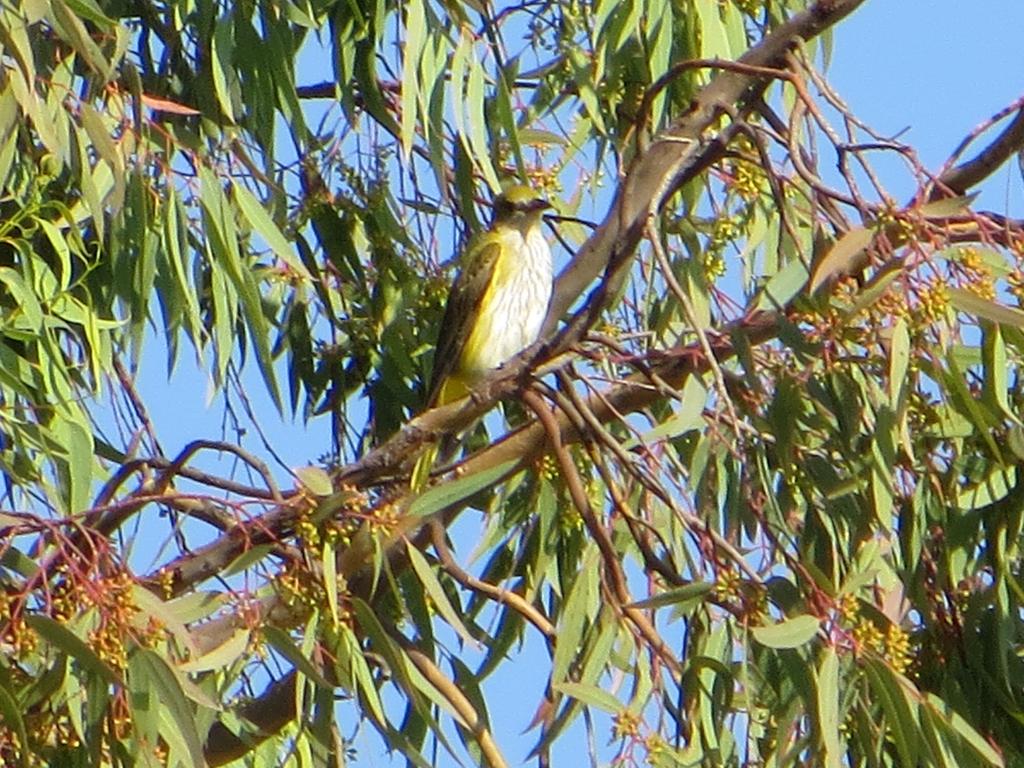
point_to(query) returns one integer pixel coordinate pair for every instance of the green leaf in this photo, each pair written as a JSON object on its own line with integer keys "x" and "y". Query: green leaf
{"x": 223, "y": 242}
{"x": 478, "y": 138}
{"x": 580, "y": 603}
{"x": 972, "y": 304}
{"x": 844, "y": 258}
{"x": 403, "y": 672}
{"x": 283, "y": 644}
{"x": 997, "y": 367}
{"x": 899, "y": 362}
{"x": 221, "y": 656}
{"x": 258, "y": 218}
{"x": 195, "y": 605}
{"x": 592, "y": 696}
{"x": 460, "y": 59}
{"x": 329, "y": 562}
{"x": 152, "y": 607}
{"x": 436, "y": 108}
{"x": 686, "y": 418}
{"x": 65, "y": 640}
{"x": 714, "y": 42}
{"x": 469, "y": 684}
{"x": 540, "y": 137}
{"x": 695, "y": 592}
{"x": 63, "y": 252}
{"x": 148, "y": 671}
{"x": 10, "y": 713}
{"x": 790, "y": 633}
{"x": 957, "y": 725}
{"x": 735, "y": 30}
{"x": 77, "y": 442}
{"x": 939, "y": 754}
{"x": 74, "y": 32}
{"x": 437, "y": 594}
{"x": 447, "y": 494}
{"x": 25, "y": 300}
{"x": 30, "y": 104}
{"x": 18, "y": 43}
{"x": 895, "y": 696}
{"x": 351, "y": 658}
{"x": 221, "y": 67}
{"x": 248, "y": 559}
{"x": 88, "y": 9}
{"x": 412, "y": 51}
{"x": 315, "y": 480}
{"x": 828, "y": 707}
{"x": 17, "y": 561}
{"x": 100, "y": 137}
{"x": 948, "y": 206}
{"x": 783, "y": 286}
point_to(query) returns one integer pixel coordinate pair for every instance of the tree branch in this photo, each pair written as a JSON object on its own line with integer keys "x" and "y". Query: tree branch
{"x": 968, "y": 174}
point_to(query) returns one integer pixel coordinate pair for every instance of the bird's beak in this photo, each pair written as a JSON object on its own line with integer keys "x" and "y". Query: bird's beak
{"x": 540, "y": 204}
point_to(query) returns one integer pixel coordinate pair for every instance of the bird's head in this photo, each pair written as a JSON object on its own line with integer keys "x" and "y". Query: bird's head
{"x": 519, "y": 203}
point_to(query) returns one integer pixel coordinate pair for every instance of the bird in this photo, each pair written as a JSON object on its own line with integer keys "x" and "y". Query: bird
{"x": 499, "y": 299}
{"x": 495, "y": 309}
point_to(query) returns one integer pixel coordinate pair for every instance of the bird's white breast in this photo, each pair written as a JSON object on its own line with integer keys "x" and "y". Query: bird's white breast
{"x": 513, "y": 312}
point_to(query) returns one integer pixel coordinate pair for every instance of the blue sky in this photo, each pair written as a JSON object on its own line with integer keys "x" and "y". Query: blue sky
{"x": 927, "y": 70}
{"x": 936, "y": 68}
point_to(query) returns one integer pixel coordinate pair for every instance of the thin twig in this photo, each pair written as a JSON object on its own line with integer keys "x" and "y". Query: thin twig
{"x": 616, "y": 579}
{"x": 502, "y": 596}
{"x": 691, "y": 318}
{"x": 460, "y": 703}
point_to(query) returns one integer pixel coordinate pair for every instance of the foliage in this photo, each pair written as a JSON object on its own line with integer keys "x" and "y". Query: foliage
{"x": 761, "y": 504}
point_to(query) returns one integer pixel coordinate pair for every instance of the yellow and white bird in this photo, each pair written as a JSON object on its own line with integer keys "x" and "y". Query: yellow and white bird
{"x": 497, "y": 305}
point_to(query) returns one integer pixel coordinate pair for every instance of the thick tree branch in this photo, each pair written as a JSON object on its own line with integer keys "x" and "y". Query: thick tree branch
{"x": 268, "y": 714}
{"x": 961, "y": 178}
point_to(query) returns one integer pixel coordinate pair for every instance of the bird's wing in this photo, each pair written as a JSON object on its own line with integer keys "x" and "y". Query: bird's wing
{"x": 463, "y": 308}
